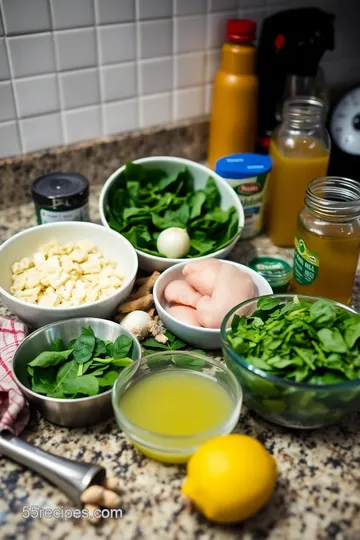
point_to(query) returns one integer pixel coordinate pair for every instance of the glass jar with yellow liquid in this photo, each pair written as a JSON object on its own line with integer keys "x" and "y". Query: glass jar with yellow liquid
{"x": 299, "y": 150}
{"x": 327, "y": 240}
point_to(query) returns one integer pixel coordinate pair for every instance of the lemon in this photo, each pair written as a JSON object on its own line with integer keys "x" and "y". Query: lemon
{"x": 229, "y": 478}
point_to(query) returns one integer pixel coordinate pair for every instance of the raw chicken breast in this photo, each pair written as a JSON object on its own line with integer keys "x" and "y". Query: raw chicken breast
{"x": 203, "y": 275}
{"x": 199, "y": 265}
{"x": 232, "y": 287}
{"x": 181, "y": 292}
{"x": 184, "y": 314}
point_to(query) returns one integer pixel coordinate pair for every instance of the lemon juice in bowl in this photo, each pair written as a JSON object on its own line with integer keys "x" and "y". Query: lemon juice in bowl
{"x": 169, "y": 403}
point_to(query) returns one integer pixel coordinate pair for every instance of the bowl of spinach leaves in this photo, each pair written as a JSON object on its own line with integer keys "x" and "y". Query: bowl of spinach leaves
{"x": 67, "y": 369}
{"x": 297, "y": 358}
{"x": 147, "y": 196}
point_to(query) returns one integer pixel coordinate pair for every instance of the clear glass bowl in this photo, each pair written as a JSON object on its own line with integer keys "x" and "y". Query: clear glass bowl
{"x": 166, "y": 448}
{"x": 285, "y": 402}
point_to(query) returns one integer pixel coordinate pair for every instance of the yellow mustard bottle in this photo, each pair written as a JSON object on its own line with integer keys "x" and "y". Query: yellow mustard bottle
{"x": 299, "y": 149}
{"x": 233, "y": 122}
{"x": 327, "y": 241}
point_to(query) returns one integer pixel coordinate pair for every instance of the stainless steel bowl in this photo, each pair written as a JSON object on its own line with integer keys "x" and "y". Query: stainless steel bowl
{"x": 68, "y": 412}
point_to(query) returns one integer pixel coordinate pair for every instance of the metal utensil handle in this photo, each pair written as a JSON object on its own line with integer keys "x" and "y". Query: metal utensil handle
{"x": 70, "y": 476}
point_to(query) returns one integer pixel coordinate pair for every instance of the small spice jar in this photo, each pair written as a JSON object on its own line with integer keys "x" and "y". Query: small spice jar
{"x": 277, "y": 272}
{"x": 327, "y": 241}
{"x": 61, "y": 196}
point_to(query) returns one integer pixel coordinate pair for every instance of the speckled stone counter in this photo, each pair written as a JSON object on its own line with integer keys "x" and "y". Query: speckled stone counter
{"x": 318, "y": 488}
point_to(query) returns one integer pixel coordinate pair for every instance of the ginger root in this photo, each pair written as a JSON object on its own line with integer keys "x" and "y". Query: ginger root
{"x": 146, "y": 286}
{"x": 144, "y": 303}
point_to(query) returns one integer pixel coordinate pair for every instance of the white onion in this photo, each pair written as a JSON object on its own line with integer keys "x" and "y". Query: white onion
{"x": 174, "y": 243}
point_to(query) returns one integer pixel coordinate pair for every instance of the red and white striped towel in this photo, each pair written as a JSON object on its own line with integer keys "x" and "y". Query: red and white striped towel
{"x": 14, "y": 410}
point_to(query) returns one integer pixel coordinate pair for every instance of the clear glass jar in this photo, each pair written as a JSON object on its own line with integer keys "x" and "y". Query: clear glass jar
{"x": 327, "y": 242}
{"x": 299, "y": 149}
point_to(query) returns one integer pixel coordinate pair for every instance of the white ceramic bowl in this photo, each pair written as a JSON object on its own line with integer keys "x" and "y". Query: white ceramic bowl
{"x": 203, "y": 338}
{"x": 24, "y": 244}
{"x": 200, "y": 173}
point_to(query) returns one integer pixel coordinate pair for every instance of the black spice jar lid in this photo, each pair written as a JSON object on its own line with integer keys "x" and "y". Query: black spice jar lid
{"x": 59, "y": 185}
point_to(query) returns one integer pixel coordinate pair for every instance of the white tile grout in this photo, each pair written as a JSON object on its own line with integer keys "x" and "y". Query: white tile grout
{"x": 137, "y": 60}
{"x": 57, "y": 65}
{"x": 99, "y": 74}
{"x": 174, "y": 67}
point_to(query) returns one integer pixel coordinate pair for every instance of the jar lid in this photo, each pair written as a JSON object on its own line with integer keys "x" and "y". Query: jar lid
{"x": 239, "y": 166}
{"x": 59, "y": 185}
{"x": 276, "y": 271}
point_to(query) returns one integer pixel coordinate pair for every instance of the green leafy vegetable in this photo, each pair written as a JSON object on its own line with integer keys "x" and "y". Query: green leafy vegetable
{"x": 142, "y": 202}
{"x": 84, "y": 345}
{"x": 50, "y": 358}
{"x": 306, "y": 342}
{"x": 88, "y": 368}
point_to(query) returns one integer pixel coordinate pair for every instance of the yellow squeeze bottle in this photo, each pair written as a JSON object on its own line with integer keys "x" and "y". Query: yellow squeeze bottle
{"x": 233, "y": 122}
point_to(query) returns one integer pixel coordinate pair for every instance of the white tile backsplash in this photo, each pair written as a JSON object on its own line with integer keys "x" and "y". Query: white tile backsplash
{"x": 189, "y": 69}
{"x": 32, "y": 55}
{"x": 7, "y": 106}
{"x": 213, "y": 61}
{"x": 223, "y": 5}
{"x": 4, "y": 64}
{"x": 114, "y": 11}
{"x": 155, "y": 9}
{"x": 117, "y": 43}
{"x": 208, "y": 98}
{"x": 10, "y": 143}
{"x": 119, "y": 82}
{"x": 155, "y": 38}
{"x": 79, "y": 88}
{"x": 156, "y": 76}
{"x": 41, "y": 132}
{"x": 76, "y": 48}
{"x": 190, "y": 33}
{"x": 217, "y": 28}
{"x": 121, "y": 116}
{"x": 26, "y": 16}
{"x": 189, "y": 103}
{"x": 77, "y": 69}
{"x": 72, "y": 13}
{"x": 38, "y": 95}
{"x": 155, "y": 110}
{"x": 81, "y": 124}
{"x": 190, "y": 7}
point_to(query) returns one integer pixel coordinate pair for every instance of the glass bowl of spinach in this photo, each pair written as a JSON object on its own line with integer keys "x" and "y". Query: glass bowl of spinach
{"x": 297, "y": 358}
{"x": 145, "y": 197}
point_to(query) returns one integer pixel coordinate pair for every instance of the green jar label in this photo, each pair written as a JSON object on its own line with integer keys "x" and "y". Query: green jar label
{"x": 306, "y": 263}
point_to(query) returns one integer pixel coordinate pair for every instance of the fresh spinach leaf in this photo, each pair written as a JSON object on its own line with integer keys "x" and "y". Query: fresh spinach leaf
{"x": 50, "y": 358}
{"x": 84, "y": 345}
{"x": 100, "y": 347}
{"x": 57, "y": 345}
{"x": 108, "y": 379}
{"x": 87, "y": 385}
{"x": 121, "y": 347}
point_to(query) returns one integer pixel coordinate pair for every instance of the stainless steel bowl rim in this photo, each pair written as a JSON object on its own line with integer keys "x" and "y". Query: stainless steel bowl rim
{"x": 129, "y": 426}
{"x": 274, "y": 378}
{"x": 66, "y": 400}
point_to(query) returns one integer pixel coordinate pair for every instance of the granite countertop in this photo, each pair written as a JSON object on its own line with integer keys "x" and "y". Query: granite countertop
{"x": 317, "y": 494}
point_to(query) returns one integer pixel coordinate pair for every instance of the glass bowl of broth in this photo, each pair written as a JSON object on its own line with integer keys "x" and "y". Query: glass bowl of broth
{"x": 169, "y": 403}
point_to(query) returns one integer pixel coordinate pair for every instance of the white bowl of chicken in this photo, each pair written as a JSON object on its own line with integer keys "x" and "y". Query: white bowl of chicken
{"x": 192, "y": 298}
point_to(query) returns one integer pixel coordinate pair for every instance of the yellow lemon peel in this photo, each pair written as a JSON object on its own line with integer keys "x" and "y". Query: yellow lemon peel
{"x": 230, "y": 478}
